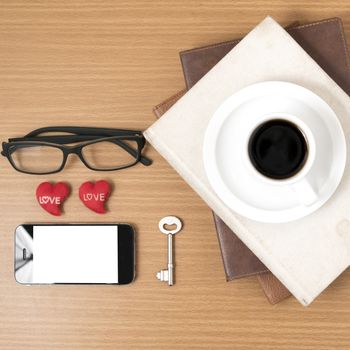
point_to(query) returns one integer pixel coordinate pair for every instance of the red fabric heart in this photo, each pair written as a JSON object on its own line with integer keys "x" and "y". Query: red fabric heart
{"x": 51, "y": 196}
{"x": 95, "y": 195}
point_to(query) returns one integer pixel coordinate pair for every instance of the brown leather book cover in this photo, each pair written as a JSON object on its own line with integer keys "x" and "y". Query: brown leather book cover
{"x": 274, "y": 290}
{"x": 325, "y": 42}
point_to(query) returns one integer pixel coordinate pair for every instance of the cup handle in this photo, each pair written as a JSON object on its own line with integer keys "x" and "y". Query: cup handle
{"x": 305, "y": 191}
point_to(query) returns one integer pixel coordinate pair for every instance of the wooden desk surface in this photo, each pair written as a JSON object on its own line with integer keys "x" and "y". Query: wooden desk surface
{"x": 106, "y": 63}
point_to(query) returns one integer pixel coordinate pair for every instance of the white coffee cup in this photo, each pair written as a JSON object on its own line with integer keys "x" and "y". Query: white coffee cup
{"x": 302, "y": 182}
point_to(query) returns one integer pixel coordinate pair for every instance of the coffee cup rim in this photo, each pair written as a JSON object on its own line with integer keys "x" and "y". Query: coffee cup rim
{"x": 309, "y": 139}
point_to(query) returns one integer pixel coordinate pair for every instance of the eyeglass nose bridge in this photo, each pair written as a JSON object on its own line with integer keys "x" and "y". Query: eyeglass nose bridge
{"x": 75, "y": 151}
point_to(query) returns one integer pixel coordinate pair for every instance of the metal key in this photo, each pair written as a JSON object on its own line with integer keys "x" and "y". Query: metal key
{"x": 168, "y": 275}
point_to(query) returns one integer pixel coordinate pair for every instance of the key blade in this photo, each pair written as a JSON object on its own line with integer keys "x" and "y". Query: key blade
{"x": 163, "y": 275}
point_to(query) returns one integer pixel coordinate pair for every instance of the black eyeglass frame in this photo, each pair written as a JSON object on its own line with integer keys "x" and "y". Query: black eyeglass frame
{"x": 86, "y": 136}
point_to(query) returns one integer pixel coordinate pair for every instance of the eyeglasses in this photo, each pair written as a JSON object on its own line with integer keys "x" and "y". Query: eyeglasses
{"x": 100, "y": 149}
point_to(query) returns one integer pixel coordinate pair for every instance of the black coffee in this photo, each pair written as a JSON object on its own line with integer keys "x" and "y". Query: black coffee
{"x": 277, "y": 149}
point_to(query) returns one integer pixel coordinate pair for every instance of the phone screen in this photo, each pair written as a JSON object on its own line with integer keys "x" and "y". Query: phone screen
{"x": 47, "y": 254}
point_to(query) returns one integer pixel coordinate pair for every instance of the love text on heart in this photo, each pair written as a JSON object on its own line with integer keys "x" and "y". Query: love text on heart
{"x": 96, "y": 196}
{"x": 48, "y": 199}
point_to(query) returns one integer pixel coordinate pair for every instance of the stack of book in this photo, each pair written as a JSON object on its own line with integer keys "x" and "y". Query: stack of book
{"x": 325, "y": 45}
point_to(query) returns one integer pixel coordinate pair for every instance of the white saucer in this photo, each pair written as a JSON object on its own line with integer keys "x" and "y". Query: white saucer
{"x": 225, "y": 151}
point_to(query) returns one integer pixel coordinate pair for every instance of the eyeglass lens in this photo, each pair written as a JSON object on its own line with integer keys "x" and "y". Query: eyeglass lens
{"x": 105, "y": 155}
{"x": 37, "y": 159}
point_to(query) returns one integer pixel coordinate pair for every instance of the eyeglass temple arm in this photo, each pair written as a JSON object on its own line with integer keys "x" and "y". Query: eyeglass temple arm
{"x": 84, "y": 131}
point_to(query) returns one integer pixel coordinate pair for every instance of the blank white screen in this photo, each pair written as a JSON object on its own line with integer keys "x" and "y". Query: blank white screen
{"x": 75, "y": 254}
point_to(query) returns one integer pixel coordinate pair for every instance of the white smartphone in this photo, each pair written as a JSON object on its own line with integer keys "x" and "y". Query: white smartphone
{"x": 74, "y": 254}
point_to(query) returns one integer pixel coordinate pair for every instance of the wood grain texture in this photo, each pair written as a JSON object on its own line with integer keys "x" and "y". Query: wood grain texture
{"x": 107, "y": 63}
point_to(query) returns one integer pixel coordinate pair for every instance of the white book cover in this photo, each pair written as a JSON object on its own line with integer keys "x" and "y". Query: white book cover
{"x": 305, "y": 255}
